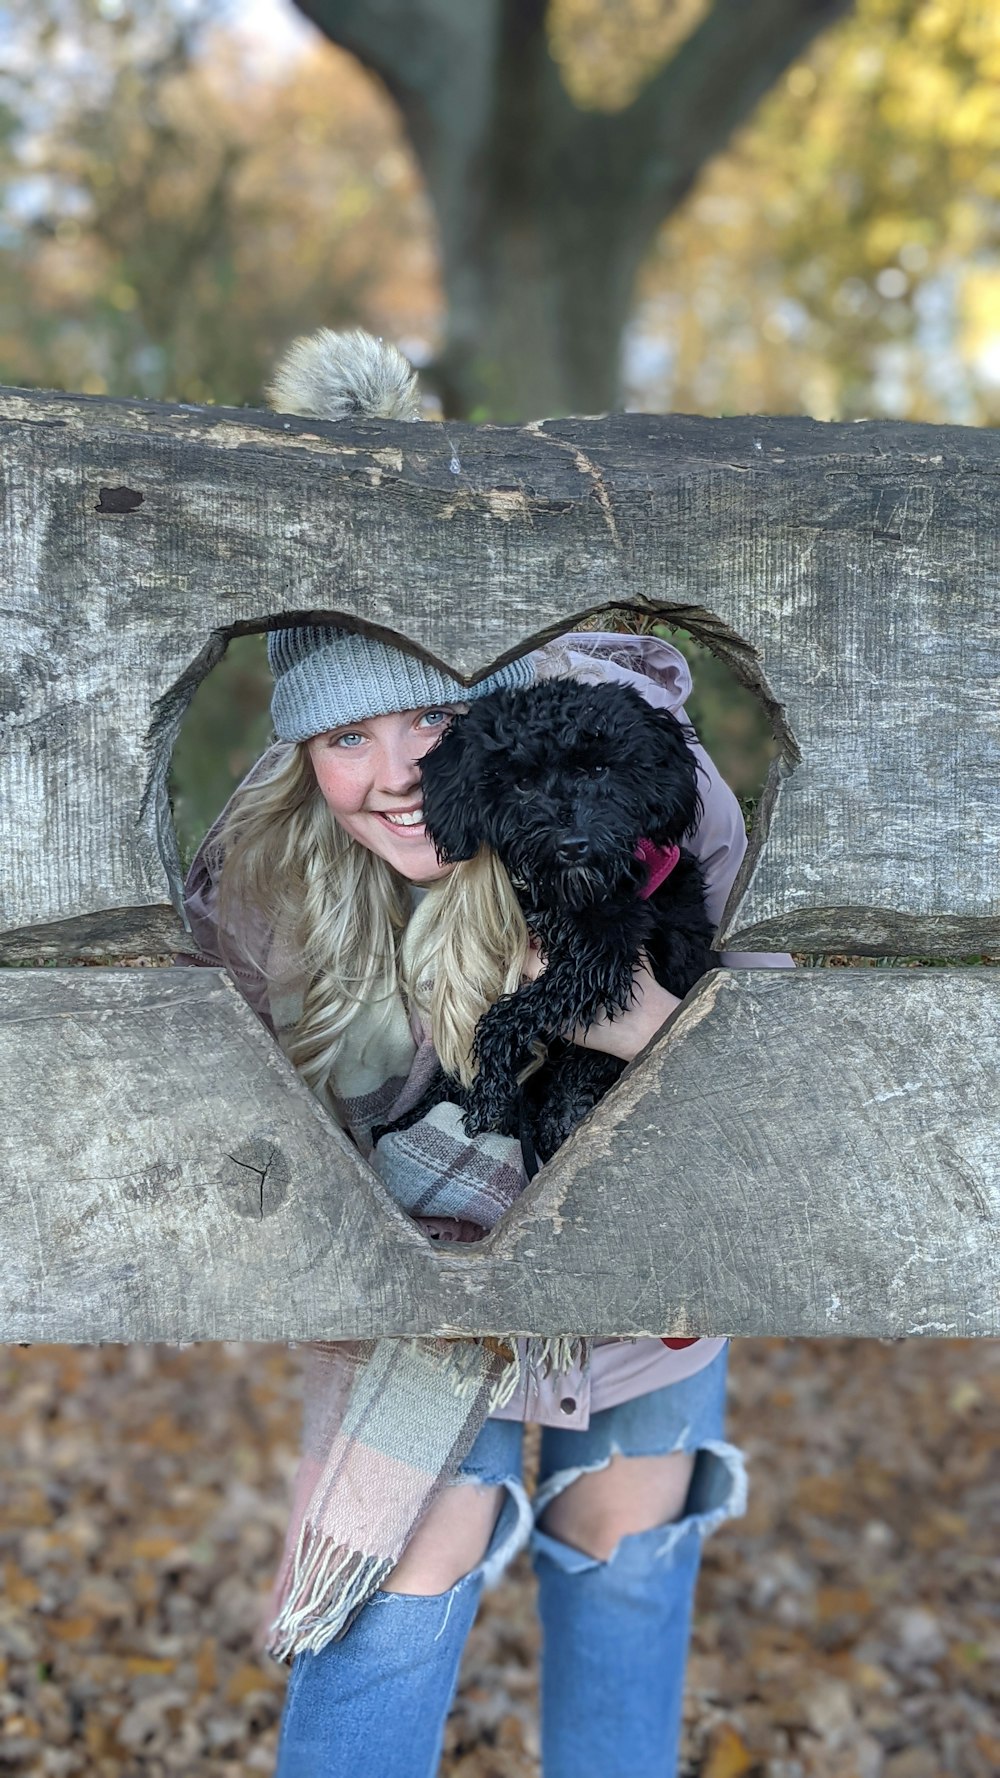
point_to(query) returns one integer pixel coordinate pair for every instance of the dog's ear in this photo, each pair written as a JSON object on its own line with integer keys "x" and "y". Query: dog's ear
{"x": 674, "y": 803}
{"x": 453, "y": 794}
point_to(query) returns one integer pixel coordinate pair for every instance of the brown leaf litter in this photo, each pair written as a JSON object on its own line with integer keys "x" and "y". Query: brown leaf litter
{"x": 848, "y": 1627}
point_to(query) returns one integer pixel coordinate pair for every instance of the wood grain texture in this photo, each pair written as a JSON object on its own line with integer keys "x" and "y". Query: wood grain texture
{"x": 810, "y": 1152}
{"x": 850, "y": 574}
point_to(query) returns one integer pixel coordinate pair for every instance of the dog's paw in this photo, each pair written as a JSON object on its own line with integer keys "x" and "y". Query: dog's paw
{"x": 490, "y": 1111}
{"x": 505, "y": 1045}
{"x": 618, "y": 990}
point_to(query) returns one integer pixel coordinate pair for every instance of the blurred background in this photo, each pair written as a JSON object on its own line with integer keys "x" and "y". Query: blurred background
{"x": 554, "y": 206}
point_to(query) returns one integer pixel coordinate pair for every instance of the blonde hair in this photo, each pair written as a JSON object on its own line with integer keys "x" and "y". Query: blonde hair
{"x": 332, "y": 913}
{"x": 464, "y": 948}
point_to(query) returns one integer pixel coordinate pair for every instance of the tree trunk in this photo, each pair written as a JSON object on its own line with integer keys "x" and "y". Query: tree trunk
{"x": 544, "y": 211}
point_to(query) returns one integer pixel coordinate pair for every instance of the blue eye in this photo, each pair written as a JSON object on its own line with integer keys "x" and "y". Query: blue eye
{"x": 435, "y": 718}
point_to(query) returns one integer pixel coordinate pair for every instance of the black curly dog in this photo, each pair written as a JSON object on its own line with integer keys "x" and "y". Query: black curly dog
{"x": 562, "y": 780}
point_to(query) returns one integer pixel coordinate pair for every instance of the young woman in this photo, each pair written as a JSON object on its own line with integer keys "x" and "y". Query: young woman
{"x": 305, "y": 890}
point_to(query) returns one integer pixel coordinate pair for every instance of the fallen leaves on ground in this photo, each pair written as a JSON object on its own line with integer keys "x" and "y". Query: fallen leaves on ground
{"x": 848, "y": 1627}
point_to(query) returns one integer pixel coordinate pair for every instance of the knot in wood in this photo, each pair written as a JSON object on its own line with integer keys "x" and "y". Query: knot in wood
{"x": 118, "y": 500}
{"x": 255, "y": 1177}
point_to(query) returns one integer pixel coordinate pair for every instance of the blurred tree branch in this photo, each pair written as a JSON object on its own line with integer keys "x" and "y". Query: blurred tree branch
{"x": 545, "y": 209}
{"x": 170, "y": 211}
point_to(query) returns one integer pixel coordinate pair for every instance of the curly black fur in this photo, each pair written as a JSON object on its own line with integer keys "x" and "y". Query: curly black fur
{"x": 562, "y": 780}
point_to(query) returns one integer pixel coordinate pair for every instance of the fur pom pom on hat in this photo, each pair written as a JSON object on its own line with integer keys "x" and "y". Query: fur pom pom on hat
{"x": 345, "y": 376}
{"x": 324, "y": 677}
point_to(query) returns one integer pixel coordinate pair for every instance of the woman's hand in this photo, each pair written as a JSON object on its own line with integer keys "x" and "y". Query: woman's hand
{"x": 629, "y": 1031}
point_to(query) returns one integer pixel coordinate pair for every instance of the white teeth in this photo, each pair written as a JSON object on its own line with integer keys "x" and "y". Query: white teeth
{"x": 413, "y": 819}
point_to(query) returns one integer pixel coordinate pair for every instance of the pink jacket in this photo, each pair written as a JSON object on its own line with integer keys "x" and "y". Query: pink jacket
{"x": 619, "y": 1369}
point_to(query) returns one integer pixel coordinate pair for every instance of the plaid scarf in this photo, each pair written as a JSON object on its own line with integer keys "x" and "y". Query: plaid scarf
{"x": 388, "y": 1422}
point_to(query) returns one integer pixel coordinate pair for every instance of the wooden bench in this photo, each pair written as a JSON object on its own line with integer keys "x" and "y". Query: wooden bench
{"x": 809, "y": 1152}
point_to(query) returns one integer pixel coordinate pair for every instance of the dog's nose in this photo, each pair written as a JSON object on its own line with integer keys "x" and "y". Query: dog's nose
{"x": 573, "y": 848}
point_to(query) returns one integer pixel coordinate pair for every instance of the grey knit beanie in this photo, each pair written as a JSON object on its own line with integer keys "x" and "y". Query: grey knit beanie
{"x": 324, "y": 677}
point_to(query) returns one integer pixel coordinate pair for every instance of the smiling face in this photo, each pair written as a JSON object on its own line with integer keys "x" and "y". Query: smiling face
{"x": 369, "y": 776}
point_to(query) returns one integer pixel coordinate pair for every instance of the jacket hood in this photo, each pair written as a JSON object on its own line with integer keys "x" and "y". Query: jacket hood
{"x": 654, "y": 668}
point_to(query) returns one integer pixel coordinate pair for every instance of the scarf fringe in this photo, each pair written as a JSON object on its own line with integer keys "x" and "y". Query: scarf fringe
{"x": 327, "y": 1588}
{"x": 551, "y": 1356}
{"x": 507, "y": 1384}
{"x": 543, "y": 1357}
{"x": 559, "y": 1353}
{"x": 329, "y": 1583}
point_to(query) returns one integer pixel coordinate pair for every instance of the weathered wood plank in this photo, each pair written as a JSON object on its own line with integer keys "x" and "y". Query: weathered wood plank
{"x": 849, "y": 573}
{"x": 810, "y": 1152}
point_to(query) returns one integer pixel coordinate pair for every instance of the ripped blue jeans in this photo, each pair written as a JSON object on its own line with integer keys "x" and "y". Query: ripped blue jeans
{"x": 615, "y": 1633}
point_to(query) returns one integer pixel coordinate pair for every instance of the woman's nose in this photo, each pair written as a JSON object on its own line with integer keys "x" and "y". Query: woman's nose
{"x": 399, "y": 771}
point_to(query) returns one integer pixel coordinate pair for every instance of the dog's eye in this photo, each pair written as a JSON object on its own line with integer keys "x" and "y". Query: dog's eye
{"x": 597, "y": 771}
{"x": 523, "y": 786}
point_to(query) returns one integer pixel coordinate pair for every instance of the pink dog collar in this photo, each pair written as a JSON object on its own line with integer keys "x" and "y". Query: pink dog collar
{"x": 659, "y": 862}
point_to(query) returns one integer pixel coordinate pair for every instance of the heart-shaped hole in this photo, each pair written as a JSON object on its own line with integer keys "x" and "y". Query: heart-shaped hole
{"x": 227, "y": 728}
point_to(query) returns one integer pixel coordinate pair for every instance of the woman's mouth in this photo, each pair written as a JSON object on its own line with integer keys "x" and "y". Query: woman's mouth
{"x": 407, "y": 821}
